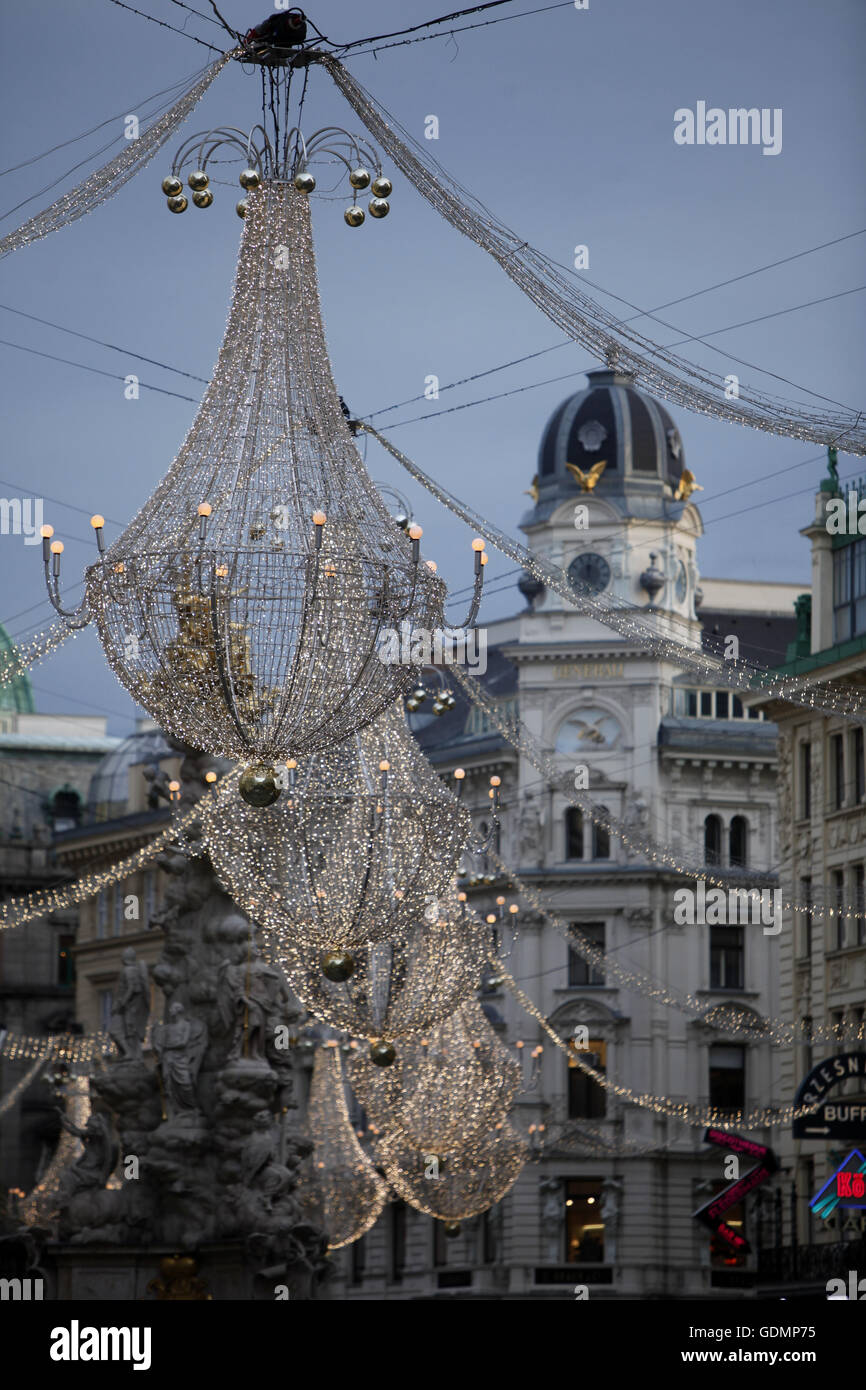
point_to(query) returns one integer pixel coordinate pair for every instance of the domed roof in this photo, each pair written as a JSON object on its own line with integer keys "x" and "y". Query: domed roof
{"x": 610, "y": 420}
{"x": 17, "y": 696}
{"x": 109, "y": 786}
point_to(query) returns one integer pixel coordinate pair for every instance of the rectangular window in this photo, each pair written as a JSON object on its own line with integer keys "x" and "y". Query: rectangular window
{"x": 359, "y": 1260}
{"x": 857, "y": 766}
{"x": 398, "y": 1241}
{"x": 837, "y": 766}
{"x": 580, "y": 971}
{"x": 721, "y": 704}
{"x": 117, "y": 925}
{"x": 65, "y": 961}
{"x": 706, "y": 704}
{"x": 805, "y": 781}
{"x": 584, "y": 1224}
{"x": 860, "y": 902}
{"x": 102, "y": 912}
{"x": 806, "y": 899}
{"x": 726, "y": 958}
{"x": 440, "y": 1245}
{"x": 727, "y": 1077}
{"x": 574, "y": 833}
{"x": 586, "y": 1099}
{"x": 837, "y": 879}
{"x": 737, "y": 707}
{"x": 106, "y": 1002}
{"x": 691, "y": 703}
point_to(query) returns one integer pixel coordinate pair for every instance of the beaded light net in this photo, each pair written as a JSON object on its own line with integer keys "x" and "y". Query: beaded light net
{"x": 339, "y": 1188}
{"x": 252, "y": 630}
{"x": 559, "y": 296}
{"x": 399, "y": 989}
{"x": 466, "y": 1183}
{"x": 355, "y": 849}
{"x": 444, "y": 1090}
{"x": 98, "y": 187}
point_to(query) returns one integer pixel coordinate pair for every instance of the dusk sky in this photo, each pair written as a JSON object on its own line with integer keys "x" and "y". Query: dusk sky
{"x": 561, "y": 122}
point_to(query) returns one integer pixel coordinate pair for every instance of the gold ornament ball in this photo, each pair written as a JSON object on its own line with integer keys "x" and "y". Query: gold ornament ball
{"x": 249, "y": 178}
{"x": 202, "y": 197}
{"x": 354, "y": 216}
{"x": 419, "y": 694}
{"x": 452, "y": 1229}
{"x": 171, "y": 186}
{"x": 257, "y": 785}
{"x": 198, "y": 180}
{"x": 438, "y": 707}
{"x": 359, "y": 178}
{"x": 379, "y": 207}
{"x": 304, "y": 183}
{"x": 178, "y": 203}
{"x": 412, "y": 705}
{"x": 241, "y": 207}
{"x": 382, "y": 187}
{"x": 382, "y": 1053}
{"x": 338, "y": 966}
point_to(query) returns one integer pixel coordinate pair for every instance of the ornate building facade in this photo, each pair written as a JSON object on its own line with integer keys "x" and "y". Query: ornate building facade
{"x": 822, "y": 856}
{"x": 608, "y": 1200}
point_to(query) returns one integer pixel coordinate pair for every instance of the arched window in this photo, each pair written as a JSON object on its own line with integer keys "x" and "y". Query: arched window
{"x": 713, "y": 840}
{"x": 600, "y": 839}
{"x": 738, "y": 842}
{"x": 65, "y": 809}
{"x": 574, "y": 833}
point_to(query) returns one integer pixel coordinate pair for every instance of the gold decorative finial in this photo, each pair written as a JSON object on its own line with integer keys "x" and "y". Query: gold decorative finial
{"x": 532, "y": 490}
{"x": 587, "y": 480}
{"x": 686, "y": 486}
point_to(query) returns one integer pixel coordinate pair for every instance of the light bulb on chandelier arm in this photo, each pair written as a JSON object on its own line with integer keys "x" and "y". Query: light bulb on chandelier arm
{"x": 56, "y": 551}
{"x": 459, "y": 777}
{"x": 97, "y": 522}
{"x": 204, "y": 511}
{"x": 46, "y": 532}
{"x": 415, "y": 534}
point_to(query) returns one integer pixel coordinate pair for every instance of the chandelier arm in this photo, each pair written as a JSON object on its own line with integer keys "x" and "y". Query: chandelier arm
{"x": 475, "y": 604}
{"x": 74, "y": 618}
{"x": 362, "y": 889}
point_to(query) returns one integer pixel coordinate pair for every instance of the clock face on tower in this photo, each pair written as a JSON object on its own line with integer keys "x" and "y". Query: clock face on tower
{"x": 682, "y": 583}
{"x": 589, "y": 571}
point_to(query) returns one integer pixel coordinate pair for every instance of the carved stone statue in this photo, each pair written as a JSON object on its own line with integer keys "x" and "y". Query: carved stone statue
{"x": 259, "y": 1156}
{"x": 180, "y": 1046}
{"x": 97, "y": 1163}
{"x": 131, "y": 1007}
{"x": 252, "y": 999}
{"x": 531, "y": 831}
{"x": 610, "y": 1190}
{"x": 552, "y": 1213}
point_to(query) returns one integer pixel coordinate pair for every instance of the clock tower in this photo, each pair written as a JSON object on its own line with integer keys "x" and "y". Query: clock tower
{"x": 611, "y": 504}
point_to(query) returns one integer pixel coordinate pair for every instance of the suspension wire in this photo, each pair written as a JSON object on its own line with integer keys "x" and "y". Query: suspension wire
{"x": 163, "y": 25}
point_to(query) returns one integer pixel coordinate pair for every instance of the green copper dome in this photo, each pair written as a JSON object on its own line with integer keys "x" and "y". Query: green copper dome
{"x": 17, "y": 696}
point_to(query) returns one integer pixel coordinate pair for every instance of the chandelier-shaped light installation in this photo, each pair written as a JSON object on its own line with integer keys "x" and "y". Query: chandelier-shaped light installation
{"x": 246, "y": 605}
{"x": 446, "y": 1090}
{"x": 462, "y": 1182}
{"x": 396, "y": 990}
{"x": 365, "y": 837}
{"x": 339, "y": 1189}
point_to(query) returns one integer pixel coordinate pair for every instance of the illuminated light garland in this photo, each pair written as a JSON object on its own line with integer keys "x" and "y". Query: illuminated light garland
{"x": 30, "y": 1076}
{"x": 80, "y": 1048}
{"x": 559, "y": 296}
{"x": 398, "y": 990}
{"x": 97, "y": 188}
{"x": 632, "y": 622}
{"x": 339, "y": 1189}
{"x": 246, "y": 605}
{"x": 445, "y": 1090}
{"x": 16, "y": 911}
{"x": 13, "y": 664}
{"x": 363, "y": 840}
{"x": 522, "y": 740}
{"x": 722, "y": 1017}
{"x": 700, "y": 1117}
{"x": 466, "y": 1184}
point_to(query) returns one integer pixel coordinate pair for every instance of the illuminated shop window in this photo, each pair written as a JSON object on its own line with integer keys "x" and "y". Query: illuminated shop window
{"x": 584, "y": 1227}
